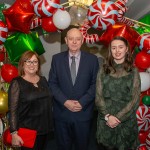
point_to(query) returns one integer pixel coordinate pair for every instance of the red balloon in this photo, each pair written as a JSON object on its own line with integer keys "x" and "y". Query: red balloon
{"x": 142, "y": 147}
{"x": 2, "y": 56}
{"x": 148, "y": 92}
{"x": 48, "y": 25}
{"x": 142, "y": 136}
{"x": 8, "y": 72}
{"x": 19, "y": 16}
{"x": 142, "y": 60}
{"x": 119, "y": 29}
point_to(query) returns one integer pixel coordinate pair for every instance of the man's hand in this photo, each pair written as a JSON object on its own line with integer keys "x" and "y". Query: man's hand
{"x": 73, "y": 105}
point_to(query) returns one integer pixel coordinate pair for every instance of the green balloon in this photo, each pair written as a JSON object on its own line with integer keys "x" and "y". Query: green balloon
{"x": 146, "y": 100}
{"x": 17, "y": 43}
{"x": 146, "y": 19}
{"x": 144, "y": 29}
{"x": 136, "y": 50}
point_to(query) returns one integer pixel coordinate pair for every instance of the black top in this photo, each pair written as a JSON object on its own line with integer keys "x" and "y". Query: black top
{"x": 30, "y": 106}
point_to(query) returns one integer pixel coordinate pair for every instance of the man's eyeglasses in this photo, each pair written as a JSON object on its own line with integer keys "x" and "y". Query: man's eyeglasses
{"x": 28, "y": 62}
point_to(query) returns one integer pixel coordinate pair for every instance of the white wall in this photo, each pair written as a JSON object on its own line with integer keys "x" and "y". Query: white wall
{"x": 52, "y": 45}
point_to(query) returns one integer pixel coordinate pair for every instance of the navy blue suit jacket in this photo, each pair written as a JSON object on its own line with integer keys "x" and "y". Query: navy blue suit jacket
{"x": 83, "y": 90}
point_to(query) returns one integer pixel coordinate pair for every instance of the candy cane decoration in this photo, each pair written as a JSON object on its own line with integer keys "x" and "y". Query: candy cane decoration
{"x": 88, "y": 38}
{"x": 121, "y": 12}
{"x": 45, "y": 8}
{"x": 143, "y": 118}
{"x": 121, "y": 17}
{"x": 3, "y": 32}
{"x": 102, "y": 13}
{"x": 36, "y": 23}
{"x": 120, "y": 3}
{"x": 148, "y": 141}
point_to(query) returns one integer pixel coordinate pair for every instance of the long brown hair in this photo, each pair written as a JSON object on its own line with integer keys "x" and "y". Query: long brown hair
{"x": 128, "y": 62}
{"x": 25, "y": 56}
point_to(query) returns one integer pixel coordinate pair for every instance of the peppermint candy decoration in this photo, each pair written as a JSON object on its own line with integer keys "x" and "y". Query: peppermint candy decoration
{"x": 102, "y": 13}
{"x": 45, "y": 8}
{"x": 88, "y": 38}
{"x": 3, "y": 32}
{"x": 122, "y": 19}
{"x": 148, "y": 141}
{"x": 144, "y": 42}
{"x": 143, "y": 118}
{"x": 36, "y": 23}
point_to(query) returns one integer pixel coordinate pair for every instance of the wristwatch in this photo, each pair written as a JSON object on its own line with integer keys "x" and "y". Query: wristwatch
{"x": 107, "y": 117}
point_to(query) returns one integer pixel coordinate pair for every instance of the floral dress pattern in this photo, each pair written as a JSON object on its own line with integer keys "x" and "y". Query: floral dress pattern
{"x": 118, "y": 94}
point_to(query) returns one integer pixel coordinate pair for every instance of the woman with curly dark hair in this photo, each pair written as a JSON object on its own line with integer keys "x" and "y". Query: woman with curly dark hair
{"x": 117, "y": 98}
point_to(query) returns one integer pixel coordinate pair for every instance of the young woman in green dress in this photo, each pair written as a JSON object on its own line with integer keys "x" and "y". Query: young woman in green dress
{"x": 117, "y": 99}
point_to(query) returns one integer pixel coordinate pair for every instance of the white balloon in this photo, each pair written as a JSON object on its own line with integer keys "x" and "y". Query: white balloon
{"x": 145, "y": 81}
{"x": 61, "y": 19}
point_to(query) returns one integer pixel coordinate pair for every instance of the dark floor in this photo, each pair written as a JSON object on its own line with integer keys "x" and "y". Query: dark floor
{"x": 92, "y": 143}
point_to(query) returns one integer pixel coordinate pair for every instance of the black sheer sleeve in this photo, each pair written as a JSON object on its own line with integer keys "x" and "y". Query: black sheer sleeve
{"x": 13, "y": 100}
{"x": 99, "y": 100}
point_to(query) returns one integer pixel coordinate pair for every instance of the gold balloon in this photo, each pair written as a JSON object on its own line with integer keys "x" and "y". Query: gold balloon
{"x": 3, "y": 102}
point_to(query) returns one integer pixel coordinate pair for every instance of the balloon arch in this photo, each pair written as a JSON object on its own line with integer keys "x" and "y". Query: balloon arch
{"x": 20, "y": 20}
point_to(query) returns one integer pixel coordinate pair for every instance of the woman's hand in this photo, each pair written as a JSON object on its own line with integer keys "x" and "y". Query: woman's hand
{"x": 113, "y": 121}
{"x": 16, "y": 140}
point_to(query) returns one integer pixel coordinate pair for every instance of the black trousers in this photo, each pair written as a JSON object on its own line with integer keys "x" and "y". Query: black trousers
{"x": 72, "y": 133}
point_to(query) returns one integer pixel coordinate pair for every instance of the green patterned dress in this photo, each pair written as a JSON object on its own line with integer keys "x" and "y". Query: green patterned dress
{"x": 118, "y": 94}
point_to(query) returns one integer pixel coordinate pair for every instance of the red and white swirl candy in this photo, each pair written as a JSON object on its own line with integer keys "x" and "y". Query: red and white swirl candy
{"x": 121, "y": 17}
{"x": 143, "y": 118}
{"x": 45, "y": 8}
{"x": 102, "y": 13}
{"x": 3, "y": 32}
{"x": 88, "y": 38}
{"x": 36, "y": 22}
{"x": 148, "y": 141}
{"x": 143, "y": 42}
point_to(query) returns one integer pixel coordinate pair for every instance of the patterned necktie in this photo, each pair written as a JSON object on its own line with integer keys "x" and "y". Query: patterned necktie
{"x": 73, "y": 69}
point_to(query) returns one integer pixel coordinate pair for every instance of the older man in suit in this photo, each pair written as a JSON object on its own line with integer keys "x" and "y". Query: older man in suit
{"x": 72, "y": 80}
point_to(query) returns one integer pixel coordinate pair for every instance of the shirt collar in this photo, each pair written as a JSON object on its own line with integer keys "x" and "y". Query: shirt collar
{"x": 77, "y": 55}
